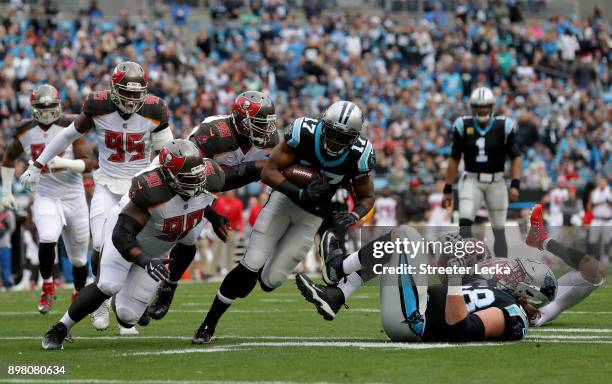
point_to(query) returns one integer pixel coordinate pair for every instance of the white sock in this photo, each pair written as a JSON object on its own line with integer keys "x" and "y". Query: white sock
{"x": 351, "y": 264}
{"x": 573, "y": 288}
{"x": 49, "y": 280}
{"x": 349, "y": 285}
{"x": 68, "y": 322}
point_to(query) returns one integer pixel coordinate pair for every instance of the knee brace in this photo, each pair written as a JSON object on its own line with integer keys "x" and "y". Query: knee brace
{"x": 238, "y": 283}
{"x": 123, "y": 315}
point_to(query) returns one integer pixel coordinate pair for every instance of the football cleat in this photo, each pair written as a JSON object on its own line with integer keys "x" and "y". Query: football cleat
{"x": 132, "y": 331}
{"x": 99, "y": 318}
{"x": 327, "y": 299}
{"x": 204, "y": 334}
{"x": 144, "y": 320}
{"x": 537, "y": 232}
{"x": 46, "y": 298}
{"x": 55, "y": 336}
{"x": 160, "y": 307}
{"x": 332, "y": 257}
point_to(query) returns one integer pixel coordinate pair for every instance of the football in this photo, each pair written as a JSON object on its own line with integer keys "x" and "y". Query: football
{"x": 300, "y": 175}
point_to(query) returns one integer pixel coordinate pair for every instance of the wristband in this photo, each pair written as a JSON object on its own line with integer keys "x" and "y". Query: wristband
{"x": 290, "y": 189}
{"x": 448, "y": 188}
{"x": 515, "y": 183}
{"x": 454, "y": 290}
{"x": 360, "y": 211}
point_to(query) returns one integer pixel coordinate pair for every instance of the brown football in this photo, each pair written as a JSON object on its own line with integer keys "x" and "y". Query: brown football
{"x": 300, "y": 175}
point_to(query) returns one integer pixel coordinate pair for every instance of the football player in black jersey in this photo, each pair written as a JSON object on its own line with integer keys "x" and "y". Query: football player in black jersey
{"x": 484, "y": 141}
{"x": 286, "y": 226}
{"x": 494, "y": 307}
{"x": 241, "y": 141}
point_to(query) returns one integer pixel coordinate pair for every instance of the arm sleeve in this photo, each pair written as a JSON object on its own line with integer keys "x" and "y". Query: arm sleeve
{"x": 159, "y": 138}
{"x": 59, "y": 143}
{"x": 8, "y": 174}
{"x": 239, "y": 175}
{"x": 124, "y": 235}
{"x": 457, "y": 147}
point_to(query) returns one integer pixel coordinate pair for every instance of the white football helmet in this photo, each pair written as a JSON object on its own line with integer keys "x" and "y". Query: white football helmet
{"x": 529, "y": 278}
{"x": 482, "y": 102}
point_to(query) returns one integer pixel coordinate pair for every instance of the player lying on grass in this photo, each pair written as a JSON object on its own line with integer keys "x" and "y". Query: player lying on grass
{"x": 586, "y": 276}
{"x": 412, "y": 310}
{"x": 241, "y": 140}
{"x": 285, "y": 228}
{"x": 162, "y": 213}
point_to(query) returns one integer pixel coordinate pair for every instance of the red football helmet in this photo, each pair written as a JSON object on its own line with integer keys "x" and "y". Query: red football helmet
{"x": 254, "y": 116}
{"x": 128, "y": 87}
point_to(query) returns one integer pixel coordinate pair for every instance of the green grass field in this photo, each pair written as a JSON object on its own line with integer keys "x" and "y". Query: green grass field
{"x": 279, "y": 337}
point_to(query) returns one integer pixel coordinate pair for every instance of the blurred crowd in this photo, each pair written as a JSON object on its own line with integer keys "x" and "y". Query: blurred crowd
{"x": 410, "y": 76}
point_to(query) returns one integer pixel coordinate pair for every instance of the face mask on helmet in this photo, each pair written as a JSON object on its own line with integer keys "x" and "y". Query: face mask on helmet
{"x": 530, "y": 279}
{"x": 335, "y": 139}
{"x": 128, "y": 98}
{"x": 259, "y": 130}
{"x": 482, "y": 113}
{"x": 186, "y": 175}
{"x": 46, "y": 114}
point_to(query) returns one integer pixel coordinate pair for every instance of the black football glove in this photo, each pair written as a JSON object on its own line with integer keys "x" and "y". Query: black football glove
{"x": 344, "y": 219}
{"x": 155, "y": 267}
{"x": 316, "y": 190}
{"x": 219, "y": 223}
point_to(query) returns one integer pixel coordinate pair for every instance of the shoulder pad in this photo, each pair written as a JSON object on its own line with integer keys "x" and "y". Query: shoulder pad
{"x": 98, "y": 103}
{"x": 367, "y": 157}
{"x": 24, "y": 126}
{"x": 213, "y": 136}
{"x": 509, "y": 126}
{"x": 293, "y": 132}
{"x": 154, "y": 109}
{"x": 458, "y": 125}
{"x": 150, "y": 189}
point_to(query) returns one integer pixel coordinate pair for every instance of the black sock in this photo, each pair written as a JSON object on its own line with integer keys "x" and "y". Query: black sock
{"x": 500, "y": 247}
{"x": 95, "y": 262}
{"x": 465, "y": 228}
{"x": 217, "y": 309}
{"x": 79, "y": 275}
{"x": 570, "y": 256}
{"x": 87, "y": 301}
{"x": 182, "y": 256}
{"x": 46, "y": 259}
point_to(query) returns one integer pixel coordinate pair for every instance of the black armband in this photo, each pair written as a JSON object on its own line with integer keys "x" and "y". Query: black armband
{"x": 124, "y": 236}
{"x": 291, "y": 190}
{"x": 240, "y": 175}
{"x": 469, "y": 329}
{"x": 515, "y": 183}
{"x": 448, "y": 188}
{"x": 361, "y": 210}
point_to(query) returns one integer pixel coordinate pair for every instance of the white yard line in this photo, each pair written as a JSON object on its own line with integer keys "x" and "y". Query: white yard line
{"x": 572, "y": 330}
{"x": 102, "y": 381}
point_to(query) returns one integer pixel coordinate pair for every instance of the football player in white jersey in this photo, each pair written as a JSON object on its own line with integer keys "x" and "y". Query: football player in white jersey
{"x": 385, "y": 207}
{"x": 60, "y": 207}
{"x": 130, "y": 123}
{"x": 162, "y": 214}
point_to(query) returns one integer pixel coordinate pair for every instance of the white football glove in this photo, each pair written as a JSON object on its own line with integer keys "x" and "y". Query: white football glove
{"x": 30, "y": 177}
{"x": 8, "y": 202}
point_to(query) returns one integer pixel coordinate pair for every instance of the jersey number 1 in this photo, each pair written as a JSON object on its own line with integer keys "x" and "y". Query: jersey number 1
{"x": 482, "y": 155}
{"x": 125, "y": 142}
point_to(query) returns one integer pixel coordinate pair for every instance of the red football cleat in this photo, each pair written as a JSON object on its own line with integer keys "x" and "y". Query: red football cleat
{"x": 537, "y": 232}
{"x": 46, "y": 298}
{"x": 74, "y": 295}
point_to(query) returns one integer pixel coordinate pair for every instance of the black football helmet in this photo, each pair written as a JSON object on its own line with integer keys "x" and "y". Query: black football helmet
{"x": 128, "y": 87}
{"x": 254, "y": 116}
{"x": 183, "y": 167}
{"x": 46, "y": 104}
